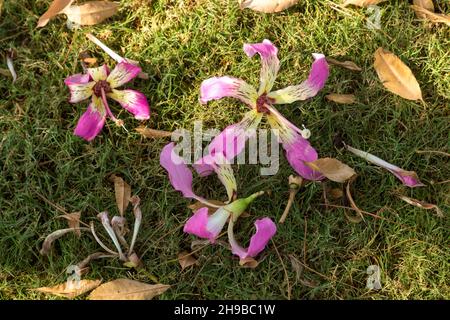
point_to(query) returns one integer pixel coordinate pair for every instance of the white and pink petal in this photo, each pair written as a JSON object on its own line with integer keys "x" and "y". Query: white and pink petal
{"x": 219, "y": 87}
{"x": 80, "y": 87}
{"x": 99, "y": 73}
{"x": 90, "y": 124}
{"x": 133, "y": 101}
{"x": 122, "y": 73}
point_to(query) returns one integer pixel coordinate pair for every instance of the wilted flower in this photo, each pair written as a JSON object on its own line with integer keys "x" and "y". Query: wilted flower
{"x": 99, "y": 84}
{"x": 207, "y": 226}
{"x": 232, "y": 140}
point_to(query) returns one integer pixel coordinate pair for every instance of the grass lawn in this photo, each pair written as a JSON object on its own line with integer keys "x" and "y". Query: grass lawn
{"x": 180, "y": 43}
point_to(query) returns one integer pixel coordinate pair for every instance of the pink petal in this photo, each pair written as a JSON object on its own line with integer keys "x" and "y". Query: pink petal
{"x": 220, "y": 87}
{"x": 179, "y": 174}
{"x": 307, "y": 89}
{"x": 133, "y": 101}
{"x": 301, "y": 168}
{"x": 269, "y": 63}
{"x": 265, "y": 230}
{"x": 80, "y": 87}
{"x": 204, "y": 226}
{"x": 90, "y": 124}
{"x": 122, "y": 73}
{"x": 408, "y": 178}
{"x": 100, "y": 73}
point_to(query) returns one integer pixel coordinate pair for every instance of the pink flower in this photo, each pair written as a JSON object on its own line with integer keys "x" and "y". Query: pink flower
{"x": 99, "y": 84}
{"x": 209, "y": 226}
{"x": 232, "y": 140}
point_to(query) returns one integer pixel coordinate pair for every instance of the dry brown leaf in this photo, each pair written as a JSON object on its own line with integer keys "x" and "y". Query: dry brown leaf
{"x": 336, "y": 193}
{"x": 362, "y": 3}
{"x": 359, "y": 217}
{"x": 429, "y": 15}
{"x": 341, "y": 98}
{"x": 248, "y": 262}
{"x": 423, "y": 205}
{"x": 350, "y": 65}
{"x": 73, "y": 219}
{"x": 333, "y": 169}
{"x": 56, "y": 7}
{"x": 123, "y": 193}
{"x": 91, "y": 13}
{"x": 152, "y": 133}
{"x": 396, "y": 76}
{"x": 47, "y": 245}
{"x": 126, "y": 289}
{"x": 186, "y": 259}
{"x": 425, "y": 4}
{"x": 267, "y": 6}
{"x": 71, "y": 289}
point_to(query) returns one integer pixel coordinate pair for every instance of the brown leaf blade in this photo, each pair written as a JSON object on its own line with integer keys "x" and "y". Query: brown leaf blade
{"x": 71, "y": 289}
{"x": 91, "y": 13}
{"x": 341, "y": 98}
{"x": 267, "y": 6}
{"x": 422, "y": 205}
{"x": 186, "y": 260}
{"x": 126, "y": 289}
{"x": 122, "y": 192}
{"x": 431, "y": 16}
{"x": 153, "y": 133}
{"x": 56, "y": 7}
{"x": 396, "y": 76}
{"x": 350, "y": 65}
{"x": 73, "y": 220}
{"x": 359, "y": 217}
{"x": 333, "y": 169}
{"x": 362, "y": 3}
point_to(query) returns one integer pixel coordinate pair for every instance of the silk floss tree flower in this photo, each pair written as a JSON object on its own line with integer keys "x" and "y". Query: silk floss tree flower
{"x": 100, "y": 84}
{"x": 209, "y": 226}
{"x": 231, "y": 141}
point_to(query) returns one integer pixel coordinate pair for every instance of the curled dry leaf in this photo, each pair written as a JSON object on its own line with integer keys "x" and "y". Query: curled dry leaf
{"x": 423, "y": 205}
{"x": 248, "y": 262}
{"x": 359, "y": 217}
{"x": 186, "y": 259}
{"x": 362, "y": 3}
{"x": 341, "y": 98}
{"x": 71, "y": 289}
{"x": 333, "y": 169}
{"x": 126, "y": 289}
{"x": 122, "y": 191}
{"x": 396, "y": 76}
{"x": 47, "y": 245}
{"x": 346, "y": 64}
{"x": 56, "y": 7}
{"x": 73, "y": 219}
{"x": 91, "y": 13}
{"x": 267, "y": 6}
{"x": 431, "y": 16}
{"x": 153, "y": 133}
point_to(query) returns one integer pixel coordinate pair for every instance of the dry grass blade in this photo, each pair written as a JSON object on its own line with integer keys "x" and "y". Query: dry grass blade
{"x": 153, "y": 133}
{"x": 341, "y": 98}
{"x": 56, "y": 7}
{"x": 359, "y": 217}
{"x": 91, "y": 13}
{"x": 73, "y": 219}
{"x": 9, "y": 62}
{"x": 126, "y": 289}
{"x": 186, "y": 259}
{"x": 71, "y": 289}
{"x": 267, "y": 6}
{"x": 431, "y": 16}
{"x": 423, "y": 205}
{"x": 362, "y": 3}
{"x": 333, "y": 169}
{"x": 396, "y": 76}
{"x": 350, "y": 65}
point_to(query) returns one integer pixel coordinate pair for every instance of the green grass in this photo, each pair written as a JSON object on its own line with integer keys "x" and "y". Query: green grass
{"x": 179, "y": 44}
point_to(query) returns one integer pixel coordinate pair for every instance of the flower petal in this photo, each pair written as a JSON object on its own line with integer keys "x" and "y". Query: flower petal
{"x": 90, "y": 123}
{"x": 100, "y": 73}
{"x": 219, "y": 87}
{"x": 308, "y": 88}
{"x": 230, "y": 142}
{"x": 133, "y": 101}
{"x": 122, "y": 73}
{"x": 226, "y": 176}
{"x": 204, "y": 226}
{"x": 269, "y": 63}
{"x": 80, "y": 87}
{"x": 408, "y": 178}
{"x": 265, "y": 230}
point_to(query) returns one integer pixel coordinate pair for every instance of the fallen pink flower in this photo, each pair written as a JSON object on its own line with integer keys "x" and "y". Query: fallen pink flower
{"x": 99, "y": 84}
{"x": 232, "y": 140}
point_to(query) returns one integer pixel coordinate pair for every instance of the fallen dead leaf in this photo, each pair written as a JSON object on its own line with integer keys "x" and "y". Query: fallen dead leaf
{"x": 153, "y": 133}
{"x": 396, "y": 76}
{"x": 267, "y": 6}
{"x": 332, "y": 168}
{"x": 425, "y": 4}
{"x": 73, "y": 219}
{"x": 126, "y": 289}
{"x": 431, "y": 16}
{"x": 248, "y": 262}
{"x": 71, "y": 289}
{"x": 336, "y": 193}
{"x": 341, "y": 98}
{"x": 56, "y": 7}
{"x": 362, "y": 3}
{"x": 91, "y": 13}
{"x": 123, "y": 193}
{"x": 350, "y": 65}
{"x": 186, "y": 259}
{"x": 423, "y": 205}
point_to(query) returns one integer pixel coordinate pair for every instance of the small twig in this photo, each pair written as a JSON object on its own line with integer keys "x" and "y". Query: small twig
{"x": 294, "y": 187}
{"x": 434, "y": 151}
{"x": 285, "y": 271}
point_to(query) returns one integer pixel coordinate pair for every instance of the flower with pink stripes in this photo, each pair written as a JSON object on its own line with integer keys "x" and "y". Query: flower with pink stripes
{"x": 100, "y": 84}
